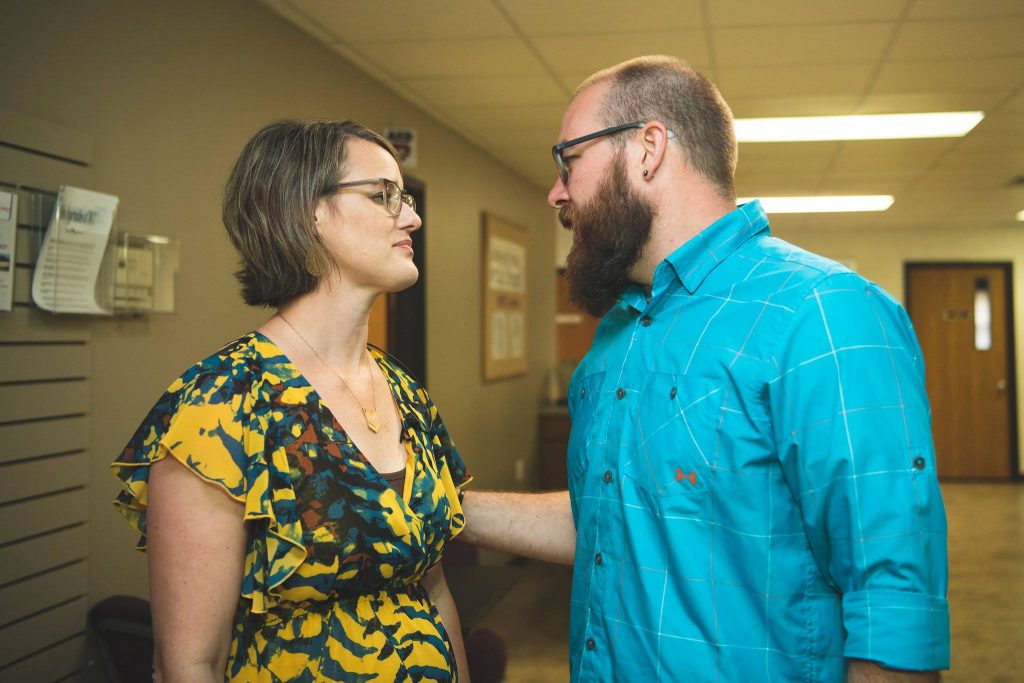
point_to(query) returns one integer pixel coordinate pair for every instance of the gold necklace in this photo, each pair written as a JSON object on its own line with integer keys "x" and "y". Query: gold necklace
{"x": 369, "y": 414}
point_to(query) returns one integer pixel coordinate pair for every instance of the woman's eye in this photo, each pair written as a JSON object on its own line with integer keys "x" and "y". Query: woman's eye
{"x": 379, "y": 198}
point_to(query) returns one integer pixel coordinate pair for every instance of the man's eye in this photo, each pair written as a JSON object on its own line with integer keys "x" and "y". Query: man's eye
{"x": 379, "y": 198}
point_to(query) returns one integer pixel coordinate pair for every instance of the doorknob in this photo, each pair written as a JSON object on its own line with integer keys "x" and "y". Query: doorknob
{"x": 1001, "y": 386}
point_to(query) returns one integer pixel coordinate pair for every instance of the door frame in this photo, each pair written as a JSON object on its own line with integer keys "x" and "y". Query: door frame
{"x": 1011, "y": 344}
{"x": 407, "y": 310}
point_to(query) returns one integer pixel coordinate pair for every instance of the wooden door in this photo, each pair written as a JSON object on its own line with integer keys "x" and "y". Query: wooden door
{"x": 969, "y": 372}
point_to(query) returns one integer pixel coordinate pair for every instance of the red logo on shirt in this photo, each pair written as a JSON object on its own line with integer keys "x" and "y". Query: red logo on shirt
{"x": 692, "y": 476}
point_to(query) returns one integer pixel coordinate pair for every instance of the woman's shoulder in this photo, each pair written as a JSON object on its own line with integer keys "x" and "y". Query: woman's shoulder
{"x": 231, "y": 371}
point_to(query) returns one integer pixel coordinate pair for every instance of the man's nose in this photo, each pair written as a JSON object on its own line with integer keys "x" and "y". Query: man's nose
{"x": 559, "y": 194}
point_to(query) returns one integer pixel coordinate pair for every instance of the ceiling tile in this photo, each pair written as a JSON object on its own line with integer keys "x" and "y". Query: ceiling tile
{"x": 963, "y": 38}
{"x": 746, "y": 13}
{"x": 482, "y": 118}
{"x": 787, "y": 157}
{"x": 435, "y": 20}
{"x": 794, "y": 183}
{"x": 803, "y": 80}
{"x": 534, "y": 142}
{"x": 572, "y": 55}
{"x": 963, "y": 74}
{"x": 472, "y": 92}
{"x": 930, "y": 101}
{"x": 454, "y": 58}
{"x": 568, "y": 17}
{"x": 910, "y": 156}
{"x": 314, "y": 28}
{"x": 847, "y": 185}
{"x": 998, "y": 206}
{"x": 950, "y": 9}
{"x": 750, "y": 108}
{"x": 1016, "y": 103}
{"x": 831, "y": 44}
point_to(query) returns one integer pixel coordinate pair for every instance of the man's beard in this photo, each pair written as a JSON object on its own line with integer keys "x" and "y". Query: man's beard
{"x": 609, "y": 232}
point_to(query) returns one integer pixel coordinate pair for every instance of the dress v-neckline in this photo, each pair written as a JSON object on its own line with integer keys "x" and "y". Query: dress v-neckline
{"x": 337, "y": 428}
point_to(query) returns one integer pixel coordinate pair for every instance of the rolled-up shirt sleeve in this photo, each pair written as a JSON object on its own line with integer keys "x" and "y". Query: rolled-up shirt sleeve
{"x": 852, "y": 425}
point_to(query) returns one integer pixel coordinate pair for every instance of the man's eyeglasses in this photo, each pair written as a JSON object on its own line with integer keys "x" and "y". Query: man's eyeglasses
{"x": 391, "y": 194}
{"x": 556, "y": 150}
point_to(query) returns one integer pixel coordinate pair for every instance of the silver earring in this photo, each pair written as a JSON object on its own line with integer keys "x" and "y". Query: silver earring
{"x": 645, "y": 173}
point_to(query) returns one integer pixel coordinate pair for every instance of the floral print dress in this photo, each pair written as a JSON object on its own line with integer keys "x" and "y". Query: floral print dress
{"x": 331, "y": 588}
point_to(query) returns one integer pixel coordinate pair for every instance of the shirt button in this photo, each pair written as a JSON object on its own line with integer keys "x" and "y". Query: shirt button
{"x": 919, "y": 463}
{"x": 608, "y": 477}
{"x": 672, "y": 394}
{"x": 591, "y": 644}
{"x": 646, "y": 321}
{"x": 598, "y": 559}
{"x": 620, "y": 393}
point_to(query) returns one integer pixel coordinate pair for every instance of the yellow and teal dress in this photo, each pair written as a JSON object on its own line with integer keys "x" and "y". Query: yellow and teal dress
{"x": 331, "y": 588}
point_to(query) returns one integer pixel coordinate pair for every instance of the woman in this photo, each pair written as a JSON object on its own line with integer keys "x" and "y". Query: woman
{"x": 295, "y": 490}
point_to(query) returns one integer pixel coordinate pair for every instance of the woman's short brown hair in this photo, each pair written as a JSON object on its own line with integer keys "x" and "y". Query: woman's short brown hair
{"x": 269, "y": 202}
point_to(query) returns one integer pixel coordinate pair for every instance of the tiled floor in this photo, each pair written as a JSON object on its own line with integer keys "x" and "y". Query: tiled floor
{"x": 986, "y": 594}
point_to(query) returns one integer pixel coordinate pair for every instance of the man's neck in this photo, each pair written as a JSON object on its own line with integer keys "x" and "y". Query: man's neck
{"x": 680, "y": 219}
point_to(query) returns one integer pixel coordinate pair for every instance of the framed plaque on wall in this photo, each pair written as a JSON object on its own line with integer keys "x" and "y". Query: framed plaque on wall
{"x": 504, "y": 298}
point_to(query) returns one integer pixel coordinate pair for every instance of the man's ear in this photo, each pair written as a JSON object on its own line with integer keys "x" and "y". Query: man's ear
{"x": 654, "y": 142}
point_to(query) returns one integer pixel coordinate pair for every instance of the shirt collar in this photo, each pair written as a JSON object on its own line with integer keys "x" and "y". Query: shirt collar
{"x": 691, "y": 263}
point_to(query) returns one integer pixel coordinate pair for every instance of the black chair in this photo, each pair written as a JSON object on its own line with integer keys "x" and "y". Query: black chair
{"x": 123, "y": 627}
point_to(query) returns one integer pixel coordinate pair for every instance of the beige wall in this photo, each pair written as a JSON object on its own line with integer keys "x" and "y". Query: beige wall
{"x": 168, "y": 94}
{"x": 881, "y": 254}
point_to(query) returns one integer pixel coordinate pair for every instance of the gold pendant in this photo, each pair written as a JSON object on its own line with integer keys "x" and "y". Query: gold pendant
{"x": 371, "y": 419}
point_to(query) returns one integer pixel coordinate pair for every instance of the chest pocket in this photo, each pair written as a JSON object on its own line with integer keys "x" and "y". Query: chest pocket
{"x": 676, "y": 441}
{"x": 584, "y": 427}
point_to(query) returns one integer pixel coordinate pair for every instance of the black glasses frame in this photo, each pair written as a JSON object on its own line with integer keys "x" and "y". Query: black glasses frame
{"x": 556, "y": 150}
{"x": 394, "y": 196}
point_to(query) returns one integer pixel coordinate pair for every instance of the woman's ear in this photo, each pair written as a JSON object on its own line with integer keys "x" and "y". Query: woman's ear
{"x": 320, "y": 213}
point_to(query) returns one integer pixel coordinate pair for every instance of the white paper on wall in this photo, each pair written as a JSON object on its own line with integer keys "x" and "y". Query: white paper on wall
{"x": 8, "y": 245}
{"x": 73, "y": 251}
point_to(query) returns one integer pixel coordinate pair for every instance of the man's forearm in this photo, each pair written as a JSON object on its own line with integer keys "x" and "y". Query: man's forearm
{"x": 861, "y": 671}
{"x": 537, "y": 525}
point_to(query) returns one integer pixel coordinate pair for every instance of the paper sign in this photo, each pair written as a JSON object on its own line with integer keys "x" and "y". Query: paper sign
{"x": 8, "y": 240}
{"x": 73, "y": 250}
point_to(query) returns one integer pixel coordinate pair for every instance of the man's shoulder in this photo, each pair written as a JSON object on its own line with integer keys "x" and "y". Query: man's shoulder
{"x": 803, "y": 264}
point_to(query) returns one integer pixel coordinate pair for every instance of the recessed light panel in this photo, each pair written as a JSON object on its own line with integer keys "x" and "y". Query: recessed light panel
{"x": 869, "y": 127}
{"x": 822, "y": 204}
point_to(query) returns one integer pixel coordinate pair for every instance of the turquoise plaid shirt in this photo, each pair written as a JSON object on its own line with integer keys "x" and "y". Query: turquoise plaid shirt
{"x": 752, "y": 474}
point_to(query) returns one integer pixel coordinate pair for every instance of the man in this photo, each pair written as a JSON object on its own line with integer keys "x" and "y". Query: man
{"x": 753, "y": 494}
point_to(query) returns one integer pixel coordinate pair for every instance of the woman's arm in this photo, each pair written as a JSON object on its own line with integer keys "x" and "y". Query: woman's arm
{"x": 196, "y": 548}
{"x": 437, "y": 587}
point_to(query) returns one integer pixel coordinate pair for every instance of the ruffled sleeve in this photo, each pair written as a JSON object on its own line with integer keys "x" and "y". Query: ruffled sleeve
{"x": 452, "y": 472}
{"x": 210, "y": 420}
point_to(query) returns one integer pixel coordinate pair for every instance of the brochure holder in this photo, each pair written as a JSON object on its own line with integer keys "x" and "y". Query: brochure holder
{"x": 145, "y": 268}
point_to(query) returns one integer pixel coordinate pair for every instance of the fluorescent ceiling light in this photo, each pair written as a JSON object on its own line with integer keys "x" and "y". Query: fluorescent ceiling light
{"x": 875, "y": 202}
{"x": 1020, "y": 215}
{"x": 873, "y": 127}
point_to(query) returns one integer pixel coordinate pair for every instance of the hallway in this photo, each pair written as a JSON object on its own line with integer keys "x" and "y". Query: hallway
{"x": 986, "y": 595}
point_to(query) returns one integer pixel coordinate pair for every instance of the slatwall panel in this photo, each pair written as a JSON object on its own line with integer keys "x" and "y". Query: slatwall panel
{"x": 34, "y": 209}
{"x": 44, "y": 433}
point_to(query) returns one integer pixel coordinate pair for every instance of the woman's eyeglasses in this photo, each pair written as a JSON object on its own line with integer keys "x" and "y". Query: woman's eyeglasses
{"x": 392, "y": 195}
